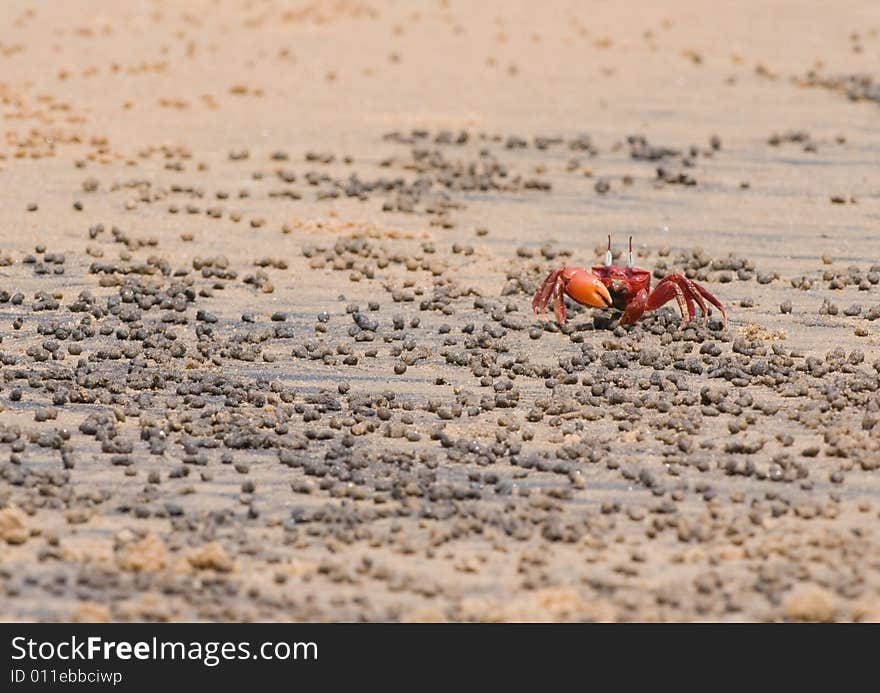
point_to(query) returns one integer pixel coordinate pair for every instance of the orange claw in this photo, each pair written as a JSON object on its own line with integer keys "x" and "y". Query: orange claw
{"x": 585, "y": 287}
{"x": 579, "y": 284}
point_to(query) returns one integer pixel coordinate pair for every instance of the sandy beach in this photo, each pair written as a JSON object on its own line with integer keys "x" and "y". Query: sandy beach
{"x": 267, "y": 348}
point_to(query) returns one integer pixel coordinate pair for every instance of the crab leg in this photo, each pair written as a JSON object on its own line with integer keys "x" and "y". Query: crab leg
{"x": 559, "y": 303}
{"x": 691, "y": 294}
{"x": 714, "y": 301}
{"x": 666, "y": 290}
{"x": 699, "y": 293}
{"x": 688, "y": 293}
{"x": 548, "y": 288}
{"x": 694, "y": 291}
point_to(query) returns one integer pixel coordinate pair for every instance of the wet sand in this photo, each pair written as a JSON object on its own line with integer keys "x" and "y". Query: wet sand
{"x": 267, "y": 343}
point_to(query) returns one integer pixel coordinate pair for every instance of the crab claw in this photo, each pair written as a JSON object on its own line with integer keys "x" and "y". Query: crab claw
{"x": 581, "y": 285}
{"x": 585, "y": 287}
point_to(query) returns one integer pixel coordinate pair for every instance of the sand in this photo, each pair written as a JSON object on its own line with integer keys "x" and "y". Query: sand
{"x": 201, "y": 168}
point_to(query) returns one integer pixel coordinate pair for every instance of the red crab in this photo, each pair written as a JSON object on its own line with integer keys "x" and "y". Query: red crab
{"x": 626, "y": 288}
